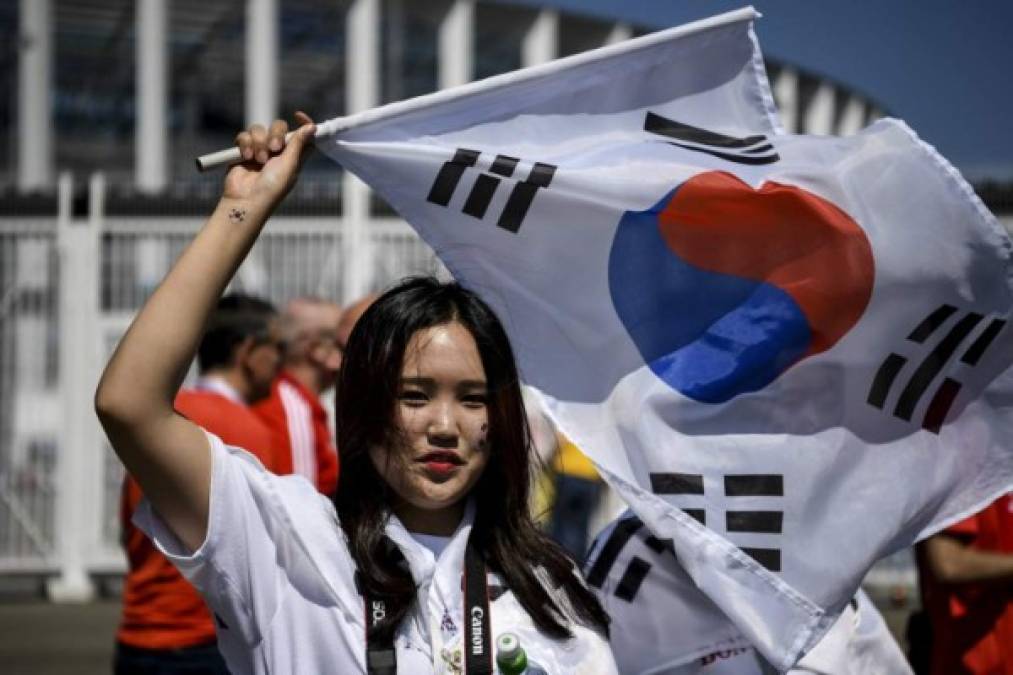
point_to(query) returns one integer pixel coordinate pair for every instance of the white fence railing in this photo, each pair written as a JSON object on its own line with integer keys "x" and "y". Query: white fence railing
{"x": 68, "y": 289}
{"x": 29, "y": 379}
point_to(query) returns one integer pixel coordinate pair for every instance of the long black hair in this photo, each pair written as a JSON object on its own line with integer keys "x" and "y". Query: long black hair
{"x": 504, "y": 532}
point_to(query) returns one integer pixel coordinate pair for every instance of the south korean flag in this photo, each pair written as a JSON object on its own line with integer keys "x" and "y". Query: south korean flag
{"x": 662, "y": 624}
{"x": 790, "y": 355}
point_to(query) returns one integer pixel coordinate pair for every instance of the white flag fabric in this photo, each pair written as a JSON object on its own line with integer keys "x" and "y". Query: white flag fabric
{"x": 789, "y": 355}
{"x": 662, "y": 624}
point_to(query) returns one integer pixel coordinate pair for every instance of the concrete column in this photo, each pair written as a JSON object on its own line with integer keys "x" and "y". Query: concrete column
{"x": 620, "y": 32}
{"x": 786, "y": 95}
{"x": 819, "y": 116}
{"x": 541, "y": 42}
{"x": 261, "y": 61}
{"x": 852, "y": 118}
{"x": 78, "y": 521}
{"x": 456, "y": 44}
{"x": 362, "y": 56}
{"x": 362, "y": 80}
{"x": 35, "y": 81}
{"x": 151, "y": 133}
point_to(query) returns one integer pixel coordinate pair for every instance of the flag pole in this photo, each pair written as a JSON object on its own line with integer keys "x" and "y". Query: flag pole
{"x": 229, "y": 156}
{"x": 226, "y": 157}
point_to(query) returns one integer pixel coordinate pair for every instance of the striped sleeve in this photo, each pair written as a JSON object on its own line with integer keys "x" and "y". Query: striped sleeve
{"x": 299, "y": 420}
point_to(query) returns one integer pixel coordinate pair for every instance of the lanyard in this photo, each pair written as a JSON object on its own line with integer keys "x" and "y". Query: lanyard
{"x": 381, "y": 658}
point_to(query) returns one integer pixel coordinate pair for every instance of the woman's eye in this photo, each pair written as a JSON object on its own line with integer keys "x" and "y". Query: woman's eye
{"x": 413, "y": 397}
{"x": 475, "y": 400}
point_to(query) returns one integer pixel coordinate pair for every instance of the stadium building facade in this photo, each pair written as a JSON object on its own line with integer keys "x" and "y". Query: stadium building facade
{"x": 111, "y": 102}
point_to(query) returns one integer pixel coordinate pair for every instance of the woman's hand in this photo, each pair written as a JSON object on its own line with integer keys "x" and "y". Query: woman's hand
{"x": 270, "y": 166}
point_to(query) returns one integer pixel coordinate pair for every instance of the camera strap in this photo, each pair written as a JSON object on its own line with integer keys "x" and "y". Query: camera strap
{"x": 381, "y": 657}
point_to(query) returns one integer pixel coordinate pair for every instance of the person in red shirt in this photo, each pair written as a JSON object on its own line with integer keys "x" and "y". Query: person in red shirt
{"x": 966, "y": 575}
{"x": 293, "y": 410}
{"x": 166, "y": 627}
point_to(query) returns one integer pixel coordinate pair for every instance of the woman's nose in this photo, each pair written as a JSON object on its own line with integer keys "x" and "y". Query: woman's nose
{"x": 442, "y": 425}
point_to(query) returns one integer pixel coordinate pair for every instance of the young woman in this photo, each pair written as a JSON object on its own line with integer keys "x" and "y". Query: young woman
{"x": 427, "y": 555}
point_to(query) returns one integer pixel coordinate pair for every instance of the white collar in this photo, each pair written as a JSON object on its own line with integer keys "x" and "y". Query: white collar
{"x": 438, "y": 581}
{"x": 216, "y": 384}
{"x": 420, "y": 561}
{"x": 436, "y": 543}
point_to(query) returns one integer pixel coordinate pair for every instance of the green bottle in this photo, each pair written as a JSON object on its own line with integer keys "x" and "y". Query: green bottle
{"x": 510, "y": 656}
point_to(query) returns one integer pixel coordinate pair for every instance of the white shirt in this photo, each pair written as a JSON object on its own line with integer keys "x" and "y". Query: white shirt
{"x": 434, "y": 543}
{"x": 219, "y": 385}
{"x": 276, "y": 570}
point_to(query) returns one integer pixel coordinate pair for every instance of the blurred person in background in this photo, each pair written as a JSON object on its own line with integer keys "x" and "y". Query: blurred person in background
{"x": 569, "y": 492}
{"x": 966, "y": 576}
{"x": 293, "y": 410}
{"x": 578, "y": 492}
{"x": 166, "y": 628}
{"x": 350, "y": 316}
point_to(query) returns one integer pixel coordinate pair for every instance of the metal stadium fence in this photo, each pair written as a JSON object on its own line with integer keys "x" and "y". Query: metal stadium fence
{"x": 70, "y": 282}
{"x": 29, "y": 381}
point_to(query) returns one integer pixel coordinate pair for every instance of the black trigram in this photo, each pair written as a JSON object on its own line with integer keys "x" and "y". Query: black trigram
{"x": 485, "y": 185}
{"x": 686, "y": 484}
{"x": 637, "y": 569}
{"x": 932, "y": 365}
{"x": 736, "y": 520}
{"x": 749, "y": 150}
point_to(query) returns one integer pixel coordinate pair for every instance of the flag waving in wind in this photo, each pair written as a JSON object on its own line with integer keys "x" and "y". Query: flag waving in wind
{"x": 790, "y": 355}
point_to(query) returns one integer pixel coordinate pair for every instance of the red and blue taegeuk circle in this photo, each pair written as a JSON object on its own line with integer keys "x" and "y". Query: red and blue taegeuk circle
{"x": 723, "y": 287}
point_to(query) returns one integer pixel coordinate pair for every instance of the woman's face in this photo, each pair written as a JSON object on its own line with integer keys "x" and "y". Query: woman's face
{"x": 443, "y": 422}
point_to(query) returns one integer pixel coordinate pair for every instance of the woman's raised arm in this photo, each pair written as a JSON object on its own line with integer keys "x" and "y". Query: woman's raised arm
{"x": 166, "y": 453}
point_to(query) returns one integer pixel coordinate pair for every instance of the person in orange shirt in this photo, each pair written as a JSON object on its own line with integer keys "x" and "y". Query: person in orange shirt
{"x": 166, "y": 628}
{"x": 966, "y": 575}
{"x": 293, "y": 410}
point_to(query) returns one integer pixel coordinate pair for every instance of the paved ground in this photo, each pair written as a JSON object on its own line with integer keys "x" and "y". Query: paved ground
{"x": 39, "y": 638}
{"x": 45, "y": 639}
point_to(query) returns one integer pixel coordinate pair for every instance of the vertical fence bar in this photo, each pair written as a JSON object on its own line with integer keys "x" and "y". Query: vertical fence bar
{"x": 363, "y": 81}
{"x": 78, "y": 467}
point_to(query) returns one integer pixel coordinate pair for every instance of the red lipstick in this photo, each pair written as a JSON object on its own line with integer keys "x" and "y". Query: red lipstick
{"x": 441, "y": 463}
